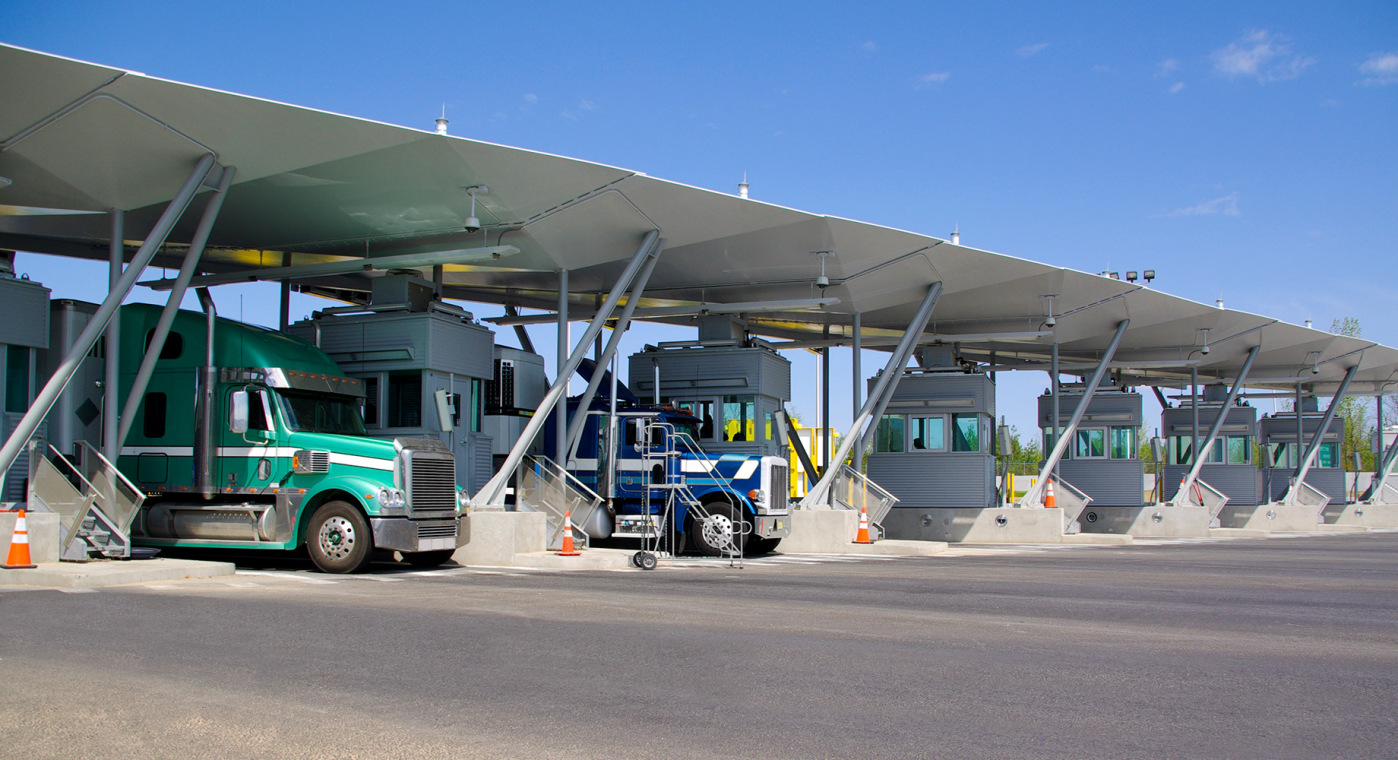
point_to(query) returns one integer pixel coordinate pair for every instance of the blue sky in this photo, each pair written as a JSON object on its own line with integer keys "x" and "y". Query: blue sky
{"x": 1245, "y": 151}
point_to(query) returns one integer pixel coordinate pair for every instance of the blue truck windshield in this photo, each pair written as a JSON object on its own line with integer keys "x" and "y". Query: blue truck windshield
{"x": 319, "y": 413}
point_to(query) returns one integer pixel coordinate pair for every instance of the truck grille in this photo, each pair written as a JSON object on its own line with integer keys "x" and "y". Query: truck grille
{"x": 434, "y": 530}
{"x": 781, "y": 490}
{"x": 431, "y": 483}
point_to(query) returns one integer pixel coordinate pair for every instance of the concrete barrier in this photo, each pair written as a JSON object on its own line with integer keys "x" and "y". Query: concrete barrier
{"x": 1149, "y": 521}
{"x": 43, "y": 532}
{"x": 494, "y": 538}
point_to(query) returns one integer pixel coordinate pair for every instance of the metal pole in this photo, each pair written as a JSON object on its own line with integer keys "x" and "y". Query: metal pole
{"x": 560, "y": 436}
{"x": 172, "y": 305}
{"x": 64, "y": 373}
{"x": 491, "y": 494}
{"x": 1035, "y": 493}
{"x": 1215, "y": 428}
{"x": 1300, "y": 429}
{"x": 856, "y": 374}
{"x": 1381, "y": 471}
{"x": 1293, "y": 492}
{"x": 112, "y": 375}
{"x": 1194, "y": 407}
{"x": 285, "y": 313}
{"x": 878, "y": 397}
{"x": 1054, "y": 389}
{"x": 825, "y": 406}
{"x": 604, "y": 356}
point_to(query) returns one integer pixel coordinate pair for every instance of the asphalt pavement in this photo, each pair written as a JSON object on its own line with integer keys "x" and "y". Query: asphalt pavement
{"x": 1266, "y": 648}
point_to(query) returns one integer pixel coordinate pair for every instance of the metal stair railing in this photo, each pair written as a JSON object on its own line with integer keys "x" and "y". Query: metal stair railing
{"x": 1386, "y": 494}
{"x": 1306, "y": 495}
{"x": 1072, "y": 501}
{"x": 1203, "y": 495}
{"x": 545, "y": 486}
{"x": 853, "y": 490}
{"x": 702, "y": 517}
{"x": 93, "y": 517}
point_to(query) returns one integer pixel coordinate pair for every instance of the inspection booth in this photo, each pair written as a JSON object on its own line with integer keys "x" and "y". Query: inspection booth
{"x": 514, "y": 391}
{"x": 1103, "y": 458}
{"x": 933, "y": 449}
{"x": 424, "y": 364}
{"x": 24, "y": 334}
{"x": 1228, "y": 463}
{"x": 1281, "y": 454}
{"x": 733, "y": 383}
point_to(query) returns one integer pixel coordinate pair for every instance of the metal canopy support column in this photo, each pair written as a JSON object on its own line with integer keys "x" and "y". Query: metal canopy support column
{"x": 492, "y": 493}
{"x": 825, "y": 405}
{"x": 1215, "y": 428}
{"x": 819, "y": 495}
{"x": 560, "y": 442}
{"x": 111, "y": 377}
{"x": 172, "y": 305}
{"x": 1293, "y": 492}
{"x": 64, "y": 373}
{"x": 1381, "y": 472}
{"x": 856, "y": 374}
{"x": 1053, "y": 388}
{"x": 604, "y": 357}
{"x": 1035, "y": 494}
{"x": 285, "y": 313}
{"x": 1194, "y": 408}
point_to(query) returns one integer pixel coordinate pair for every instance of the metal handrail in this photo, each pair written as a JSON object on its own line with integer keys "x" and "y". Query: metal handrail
{"x": 124, "y": 501}
{"x": 1305, "y": 494}
{"x": 1072, "y": 501}
{"x": 742, "y": 526}
{"x": 1386, "y": 494}
{"x": 538, "y": 475}
{"x": 853, "y": 490}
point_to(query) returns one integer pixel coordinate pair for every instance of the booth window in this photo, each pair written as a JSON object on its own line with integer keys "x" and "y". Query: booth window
{"x": 17, "y": 378}
{"x": 1090, "y": 444}
{"x": 739, "y": 415}
{"x": 1326, "y": 456}
{"x": 889, "y": 436}
{"x": 477, "y": 405}
{"x": 929, "y": 433}
{"x": 965, "y": 432}
{"x": 704, "y": 411}
{"x": 1124, "y": 444}
{"x": 1239, "y": 449}
{"x": 371, "y": 402}
{"x": 404, "y": 399}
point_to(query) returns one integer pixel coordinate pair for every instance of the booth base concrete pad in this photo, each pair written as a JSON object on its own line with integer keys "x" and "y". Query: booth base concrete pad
{"x": 1279, "y": 517}
{"x": 1151, "y": 521}
{"x": 1363, "y": 515}
{"x": 832, "y": 531}
{"x": 112, "y": 572}
{"x": 990, "y": 525}
{"x": 494, "y": 538}
{"x": 43, "y": 530}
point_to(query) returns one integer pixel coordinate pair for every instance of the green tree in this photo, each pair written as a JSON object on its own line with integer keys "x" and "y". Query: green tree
{"x": 1353, "y": 411}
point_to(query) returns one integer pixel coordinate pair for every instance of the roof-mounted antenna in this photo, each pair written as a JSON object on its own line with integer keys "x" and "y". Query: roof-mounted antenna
{"x": 743, "y": 186}
{"x": 442, "y": 122}
{"x": 956, "y": 235}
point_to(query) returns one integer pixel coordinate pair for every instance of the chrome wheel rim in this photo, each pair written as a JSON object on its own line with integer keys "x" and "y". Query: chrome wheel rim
{"x": 718, "y": 531}
{"x": 337, "y": 538}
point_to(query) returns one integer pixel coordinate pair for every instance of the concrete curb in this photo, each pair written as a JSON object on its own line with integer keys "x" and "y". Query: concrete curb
{"x": 99, "y": 573}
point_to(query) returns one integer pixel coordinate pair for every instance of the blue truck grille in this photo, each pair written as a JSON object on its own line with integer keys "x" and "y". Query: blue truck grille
{"x": 431, "y": 484}
{"x": 781, "y": 490}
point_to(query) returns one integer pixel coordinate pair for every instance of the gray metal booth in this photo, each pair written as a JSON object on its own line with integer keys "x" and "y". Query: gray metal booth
{"x": 933, "y": 443}
{"x": 411, "y": 350}
{"x": 732, "y": 383}
{"x": 515, "y": 390}
{"x": 1281, "y": 456}
{"x": 1228, "y": 466}
{"x": 1103, "y": 459}
{"x": 24, "y": 332}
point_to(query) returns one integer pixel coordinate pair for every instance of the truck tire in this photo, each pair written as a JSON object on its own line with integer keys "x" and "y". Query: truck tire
{"x": 711, "y": 535}
{"x": 338, "y": 538}
{"x": 759, "y": 546}
{"x": 428, "y": 559}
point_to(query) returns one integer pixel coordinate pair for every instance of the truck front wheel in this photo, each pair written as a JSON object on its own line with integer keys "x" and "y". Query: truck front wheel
{"x": 716, "y": 528}
{"x": 338, "y": 538}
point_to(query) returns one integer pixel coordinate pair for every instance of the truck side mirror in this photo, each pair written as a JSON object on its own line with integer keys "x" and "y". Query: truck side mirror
{"x": 444, "y": 410}
{"x": 238, "y": 412}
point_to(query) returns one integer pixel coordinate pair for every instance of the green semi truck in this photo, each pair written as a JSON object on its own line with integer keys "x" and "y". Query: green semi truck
{"x": 259, "y": 444}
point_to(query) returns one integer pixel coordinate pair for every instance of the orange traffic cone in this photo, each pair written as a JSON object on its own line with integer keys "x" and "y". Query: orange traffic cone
{"x": 1180, "y": 494}
{"x": 1049, "y": 501}
{"x": 862, "y": 537}
{"x": 568, "y": 550}
{"x": 18, "y": 558}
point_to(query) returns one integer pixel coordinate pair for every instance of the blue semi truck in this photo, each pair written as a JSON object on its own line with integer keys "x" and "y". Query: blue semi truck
{"x": 659, "y": 484}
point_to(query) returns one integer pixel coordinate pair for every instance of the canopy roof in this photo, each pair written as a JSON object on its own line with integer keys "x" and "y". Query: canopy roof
{"x": 78, "y": 139}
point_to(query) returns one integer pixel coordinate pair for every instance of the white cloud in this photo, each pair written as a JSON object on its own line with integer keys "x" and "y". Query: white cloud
{"x": 1176, "y": 87}
{"x": 1260, "y": 55}
{"x": 1167, "y": 67}
{"x": 531, "y": 98}
{"x": 1225, "y": 206}
{"x": 929, "y": 80}
{"x": 1380, "y": 69}
{"x": 1028, "y": 51}
{"x": 587, "y": 105}
{"x": 869, "y": 47}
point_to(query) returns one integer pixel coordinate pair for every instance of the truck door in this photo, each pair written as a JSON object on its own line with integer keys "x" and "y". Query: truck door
{"x": 248, "y": 441}
{"x": 636, "y": 458}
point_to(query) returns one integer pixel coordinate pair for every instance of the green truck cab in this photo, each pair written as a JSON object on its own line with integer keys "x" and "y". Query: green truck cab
{"x": 259, "y": 444}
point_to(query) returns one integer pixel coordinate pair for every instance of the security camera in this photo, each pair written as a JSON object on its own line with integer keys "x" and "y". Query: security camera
{"x": 1315, "y": 369}
{"x": 822, "y": 281}
{"x": 1204, "y": 349}
{"x": 473, "y": 224}
{"x": 1050, "y": 322}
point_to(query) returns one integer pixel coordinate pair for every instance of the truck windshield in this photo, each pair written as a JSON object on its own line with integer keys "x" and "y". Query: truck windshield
{"x": 319, "y": 413}
{"x": 686, "y": 427}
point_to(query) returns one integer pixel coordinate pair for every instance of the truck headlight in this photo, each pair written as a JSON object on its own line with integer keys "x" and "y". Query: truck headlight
{"x": 758, "y": 496}
{"x": 463, "y": 501}
{"x": 391, "y": 497}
